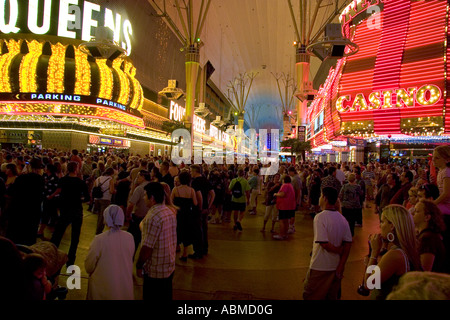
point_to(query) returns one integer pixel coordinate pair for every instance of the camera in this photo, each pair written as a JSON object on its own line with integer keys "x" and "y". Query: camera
{"x": 363, "y": 291}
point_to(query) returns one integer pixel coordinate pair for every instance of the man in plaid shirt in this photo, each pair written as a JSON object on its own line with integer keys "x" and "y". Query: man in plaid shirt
{"x": 156, "y": 263}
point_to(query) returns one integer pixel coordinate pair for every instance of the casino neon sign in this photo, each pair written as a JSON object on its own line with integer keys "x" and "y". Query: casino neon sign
{"x": 426, "y": 95}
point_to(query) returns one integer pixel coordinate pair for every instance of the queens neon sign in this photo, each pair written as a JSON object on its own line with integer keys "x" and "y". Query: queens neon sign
{"x": 426, "y": 95}
{"x": 72, "y": 19}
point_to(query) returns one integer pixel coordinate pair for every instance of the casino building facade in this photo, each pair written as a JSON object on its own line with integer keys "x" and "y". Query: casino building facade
{"x": 389, "y": 100}
{"x": 56, "y": 94}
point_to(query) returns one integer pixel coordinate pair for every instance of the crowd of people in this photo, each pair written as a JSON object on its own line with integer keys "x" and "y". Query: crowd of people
{"x": 164, "y": 208}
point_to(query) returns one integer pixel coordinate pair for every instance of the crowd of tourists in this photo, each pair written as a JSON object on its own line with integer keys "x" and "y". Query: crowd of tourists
{"x": 151, "y": 210}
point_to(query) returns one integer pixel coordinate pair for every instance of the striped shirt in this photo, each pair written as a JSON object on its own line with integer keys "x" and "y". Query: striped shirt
{"x": 368, "y": 176}
{"x": 159, "y": 232}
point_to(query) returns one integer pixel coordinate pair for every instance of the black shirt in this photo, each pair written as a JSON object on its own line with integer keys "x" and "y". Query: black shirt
{"x": 27, "y": 193}
{"x": 431, "y": 242}
{"x": 168, "y": 179}
{"x": 73, "y": 189}
{"x": 202, "y": 184}
{"x": 51, "y": 184}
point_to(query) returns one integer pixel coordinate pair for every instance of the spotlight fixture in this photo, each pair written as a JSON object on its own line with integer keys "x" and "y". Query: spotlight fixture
{"x": 171, "y": 92}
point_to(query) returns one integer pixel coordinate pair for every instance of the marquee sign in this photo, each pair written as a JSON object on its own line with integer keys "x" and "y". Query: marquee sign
{"x": 60, "y": 98}
{"x": 81, "y": 111}
{"x": 72, "y": 19}
{"x": 93, "y": 139}
{"x": 426, "y": 95}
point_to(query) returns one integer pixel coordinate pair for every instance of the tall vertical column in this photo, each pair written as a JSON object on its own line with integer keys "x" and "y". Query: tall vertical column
{"x": 192, "y": 68}
{"x": 302, "y": 68}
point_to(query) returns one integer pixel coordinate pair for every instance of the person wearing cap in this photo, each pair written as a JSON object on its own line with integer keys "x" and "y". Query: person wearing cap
{"x": 24, "y": 212}
{"x": 109, "y": 261}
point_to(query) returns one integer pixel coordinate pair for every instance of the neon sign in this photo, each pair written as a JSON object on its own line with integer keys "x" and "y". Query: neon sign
{"x": 426, "y": 95}
{"x": 176, "y": 112}
{"x": 199, "y": 124}
{"x": 63, "y": 18}
{"x": 63, "y": 98}
{"x": 78, "y": 110}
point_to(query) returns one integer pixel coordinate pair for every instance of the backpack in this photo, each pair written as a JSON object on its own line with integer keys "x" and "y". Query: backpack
{"x": 237, "y": 190}
{"x": 97, "y": 192}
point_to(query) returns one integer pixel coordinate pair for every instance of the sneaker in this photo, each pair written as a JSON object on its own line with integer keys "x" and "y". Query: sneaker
{"x": 278, "y": 237}
{"x": 291, "y": 230}
{"x": 238, "y": 225}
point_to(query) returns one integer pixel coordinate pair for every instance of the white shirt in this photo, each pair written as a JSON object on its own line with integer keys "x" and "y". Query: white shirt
{"x": 340, "y": 175}
{"x": 103, "y": 182}
{"x": 331, "y": 227}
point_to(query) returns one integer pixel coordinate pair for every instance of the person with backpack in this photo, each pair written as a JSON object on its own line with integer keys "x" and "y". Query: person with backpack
{"x": 350, "y": 197}
{"x": 240, "y": 190}
{"x": 102, "y": 193}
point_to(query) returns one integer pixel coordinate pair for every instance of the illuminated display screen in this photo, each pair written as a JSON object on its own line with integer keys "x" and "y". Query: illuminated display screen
{"x": 93, "y": 139}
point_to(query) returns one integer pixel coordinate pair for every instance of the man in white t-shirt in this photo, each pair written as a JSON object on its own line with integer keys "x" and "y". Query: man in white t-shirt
{"x": 331, "y": 247}
{"x": 340, "y": 175}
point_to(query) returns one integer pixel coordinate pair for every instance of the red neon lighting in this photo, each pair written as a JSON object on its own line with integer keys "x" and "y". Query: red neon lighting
{"x": 401, "y": 54}
{"x": 103, "y": 113}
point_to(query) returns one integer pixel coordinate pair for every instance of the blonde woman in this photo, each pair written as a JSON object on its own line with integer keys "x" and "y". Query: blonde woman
{"x": 413, "y": 194}
{"x": 398, "y": 236}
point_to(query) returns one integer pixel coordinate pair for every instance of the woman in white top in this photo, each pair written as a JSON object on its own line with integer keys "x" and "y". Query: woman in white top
{"x": 106, "y": 183}
{"x": 109, "y": 261}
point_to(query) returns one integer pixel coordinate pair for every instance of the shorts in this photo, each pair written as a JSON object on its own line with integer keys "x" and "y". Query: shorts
{"x": 271, "y": 211}
{"x": 321, "y": 285}
{"x": 286, "y": 214}
{"x": 238, "y": 206}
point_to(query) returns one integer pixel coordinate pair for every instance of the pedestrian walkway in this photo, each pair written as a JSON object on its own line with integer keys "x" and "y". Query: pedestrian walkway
{"x": 244, "y": 265}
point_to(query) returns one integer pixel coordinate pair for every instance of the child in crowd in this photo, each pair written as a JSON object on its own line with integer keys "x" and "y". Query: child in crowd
{"x": 38, "y": 285}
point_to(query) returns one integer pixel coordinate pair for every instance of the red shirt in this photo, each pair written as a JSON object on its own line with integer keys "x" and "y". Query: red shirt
{"x": 288, "y": 201}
